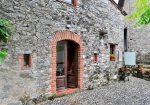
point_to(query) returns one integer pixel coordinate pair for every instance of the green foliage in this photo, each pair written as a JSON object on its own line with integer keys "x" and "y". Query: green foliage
{"x": 6, "y": 29}
{"x": 3, "y": 55}
{"x": 113, "y": 55}
{"x": 142, "y": 13}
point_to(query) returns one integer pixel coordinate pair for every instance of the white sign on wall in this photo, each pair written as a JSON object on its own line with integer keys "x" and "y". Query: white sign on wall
{"x": 130, "y": 58}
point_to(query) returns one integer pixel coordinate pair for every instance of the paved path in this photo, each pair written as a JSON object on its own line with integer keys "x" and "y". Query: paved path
{"x": 133, "y": 92}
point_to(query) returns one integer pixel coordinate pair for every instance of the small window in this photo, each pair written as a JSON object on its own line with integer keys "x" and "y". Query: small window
{"x": 112, "y": 49}
{"x": 95, "y": 58}
{"x": 25, "y": 61}
{"x": 112, "y": 52}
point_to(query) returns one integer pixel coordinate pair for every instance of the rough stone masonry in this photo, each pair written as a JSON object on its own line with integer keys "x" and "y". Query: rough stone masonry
{"x": 138, "y": 37}
{"x": 36, "y": 22}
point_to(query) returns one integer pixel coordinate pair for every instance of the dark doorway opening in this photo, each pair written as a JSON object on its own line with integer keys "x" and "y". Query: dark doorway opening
{"x": 27, "y": 60}
{"x": 125, "y": 40}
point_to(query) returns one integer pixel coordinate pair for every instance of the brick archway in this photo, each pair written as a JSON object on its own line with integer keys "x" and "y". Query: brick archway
{"x": 66, "y": 35}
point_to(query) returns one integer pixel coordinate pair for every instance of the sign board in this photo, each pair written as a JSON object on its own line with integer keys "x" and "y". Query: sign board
{"x": 130, "y": 58}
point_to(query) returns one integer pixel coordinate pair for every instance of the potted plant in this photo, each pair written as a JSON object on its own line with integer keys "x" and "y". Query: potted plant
{"x": 112, "y": 57}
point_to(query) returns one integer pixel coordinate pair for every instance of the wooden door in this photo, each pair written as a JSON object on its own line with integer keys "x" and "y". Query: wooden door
{"x": 67, "y": 73}
{"x": 61, "y": 65}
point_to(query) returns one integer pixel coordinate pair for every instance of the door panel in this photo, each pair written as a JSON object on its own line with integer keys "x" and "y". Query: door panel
{"x": 61, "y": 76}
{"x": 60, "y": 82}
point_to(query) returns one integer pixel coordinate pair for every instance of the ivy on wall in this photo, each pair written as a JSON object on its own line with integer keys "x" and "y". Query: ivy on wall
{"x": 6, "y": 30}
{"x": 3, "y": 55}
{"x": 142, "y": 13}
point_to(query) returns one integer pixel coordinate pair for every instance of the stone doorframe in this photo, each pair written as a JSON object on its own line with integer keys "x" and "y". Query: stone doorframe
{"x": 66, "y": 35}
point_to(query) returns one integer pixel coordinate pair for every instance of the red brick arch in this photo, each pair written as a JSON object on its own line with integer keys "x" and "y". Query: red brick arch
{"x": 66, "y": 35}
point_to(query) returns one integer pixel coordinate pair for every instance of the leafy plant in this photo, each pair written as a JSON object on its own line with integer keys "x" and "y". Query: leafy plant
{"x": 6, "y": 29}
{"x": 142, "y": 13}
{"x": 113, "y": 55}
{"x": 3, "y": 55}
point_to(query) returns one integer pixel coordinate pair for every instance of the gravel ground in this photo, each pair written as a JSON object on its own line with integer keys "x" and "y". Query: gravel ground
{"x": 133, "y": 92}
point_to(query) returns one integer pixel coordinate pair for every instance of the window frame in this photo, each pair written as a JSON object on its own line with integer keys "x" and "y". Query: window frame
{"x": 22, "y": 61}
{"x": 27, "y": 60}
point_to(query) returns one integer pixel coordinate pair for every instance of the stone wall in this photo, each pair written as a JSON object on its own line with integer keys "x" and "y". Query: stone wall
{"x": 36, "y": 22}
{"x": 138, "y": 38}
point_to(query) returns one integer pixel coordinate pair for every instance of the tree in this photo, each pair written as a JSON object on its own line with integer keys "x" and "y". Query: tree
{"x": 142, "y": 13}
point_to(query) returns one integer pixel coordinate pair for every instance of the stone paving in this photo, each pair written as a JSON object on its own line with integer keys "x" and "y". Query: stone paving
{"x": 133, "y": 92}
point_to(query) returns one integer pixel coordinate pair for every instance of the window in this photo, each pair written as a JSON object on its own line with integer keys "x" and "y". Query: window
{"x": 74, "y": 2}
{"x": 95, "y": 57}
{"x": 125, "y": 40}
{"x": 112, "y": 49}
{"x": 112, "y": 52}
{"x": 25, "y": 61}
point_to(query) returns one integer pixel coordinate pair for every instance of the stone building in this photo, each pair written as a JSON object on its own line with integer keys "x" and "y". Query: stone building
{"x": 60, "y": 45}
{"x": 138, "y": 38}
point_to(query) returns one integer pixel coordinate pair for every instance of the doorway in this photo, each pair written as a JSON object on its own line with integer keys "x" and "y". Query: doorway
{"x": 67, "y": 65}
